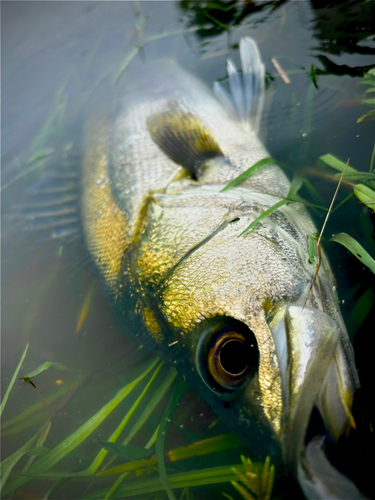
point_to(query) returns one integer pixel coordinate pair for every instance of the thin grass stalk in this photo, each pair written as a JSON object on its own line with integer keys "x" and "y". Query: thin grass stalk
{"x": 15, "y": 374}
{"x": 180, "y": 387}
{"x": 71, "y": 442}
{"x": 118, "y": 481}
{"x": 321, "y": 232}
{"x": 103, "y": 453}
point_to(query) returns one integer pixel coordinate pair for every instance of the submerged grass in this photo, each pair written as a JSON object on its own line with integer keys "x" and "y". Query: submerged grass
{"x": 6, "y": 395}
{"x": 41, "y": 459}
{"x": 249, "y": 479}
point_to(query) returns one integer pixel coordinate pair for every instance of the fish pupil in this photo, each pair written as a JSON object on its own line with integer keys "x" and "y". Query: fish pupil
{"x": 234, "y": 357}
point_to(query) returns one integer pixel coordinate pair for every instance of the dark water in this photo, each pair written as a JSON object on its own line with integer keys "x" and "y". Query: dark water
{"x": 59, "y": 60}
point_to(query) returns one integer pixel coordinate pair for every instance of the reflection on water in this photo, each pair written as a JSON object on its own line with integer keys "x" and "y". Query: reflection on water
{"x": 63, "y": 60}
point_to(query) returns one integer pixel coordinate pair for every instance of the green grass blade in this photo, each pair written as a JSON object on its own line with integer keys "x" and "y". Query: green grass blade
{"x": 371, "y": 169}
{"x": 265, "y": 214}
{"x": 337, "y": 164}
{"x": 128, "y": 59}
{"x": 313, "y": 76}
{"x": 313, "y": 192}
{"x": 312, "y": 242}
{"x": 117, "y": 483}
{"x": 347, "y": 198}
{"x": 43, "y": 433}
{"x": 208, "y": 446}
{"x": 357, "y": 176}
{"x": 102, "y": 454}
{"x": 39, "y": 451}
{"x": 180, "y": 387}
{"x": 248, "y": 173}
{"x": 40, "y": 154}
{"x": 45, "y": 366}
{"x": 75, "y": 439}
{"x": 5, "y": 399}
{"x": 38, "y": 411}
{"x": 8, "y": 464}
{"x": 213, "y": 475}
{"x": 127, "y": 452}
{"x": 366, "y": 195}
{"x": 150, "y": 407}
{"x": 356, "y": 249}
{"x": 295, "y": 187}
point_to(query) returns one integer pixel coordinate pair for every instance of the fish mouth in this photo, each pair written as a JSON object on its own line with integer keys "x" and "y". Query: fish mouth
{"x": 318, "y": 383}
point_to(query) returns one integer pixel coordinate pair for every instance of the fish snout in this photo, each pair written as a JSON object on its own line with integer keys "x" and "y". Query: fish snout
{"x": 316, "y": 376}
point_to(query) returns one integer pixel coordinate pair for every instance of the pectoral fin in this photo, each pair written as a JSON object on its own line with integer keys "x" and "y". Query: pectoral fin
{"x": 184, "y": 139}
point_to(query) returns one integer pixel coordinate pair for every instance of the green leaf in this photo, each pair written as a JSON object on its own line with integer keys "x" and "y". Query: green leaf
{"x": 356, "y": 249}
{"x": 313, "y": 76}
{"x": 265, "y": 214}
{"x": 311, "y": 240}
{"x": 368, "y": 91}
{"x": 370, "y": 114}
{"x": 295, "y": 187}
{"x": 116, "y": 434}
{"x": 72, "y": 441}
{"x": 248, "y": 173}
{"x": 179, "y": 389}
{"x": 15, "y": 374}
{"x": 366, "y": 195}
{"x": 8, "y": 464}
{"x": 369, "y": 102}
{"x": 45, "y": 366}
{"x": 127, "y": 452}
{"x": 335, "y": 163}
{"x": 313, "y": 192}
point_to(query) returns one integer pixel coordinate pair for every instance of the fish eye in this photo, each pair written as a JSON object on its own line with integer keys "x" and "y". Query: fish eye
{"x": 229, "y": 356}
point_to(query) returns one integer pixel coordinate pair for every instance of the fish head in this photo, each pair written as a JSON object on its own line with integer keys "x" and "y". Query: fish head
{"x": 242, "y": 318}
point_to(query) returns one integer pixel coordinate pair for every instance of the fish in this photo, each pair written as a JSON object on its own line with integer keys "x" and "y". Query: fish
{"x": 241, "y": 318}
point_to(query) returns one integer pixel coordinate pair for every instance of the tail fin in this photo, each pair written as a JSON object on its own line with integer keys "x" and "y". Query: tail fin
{"x": 246, "y": 97}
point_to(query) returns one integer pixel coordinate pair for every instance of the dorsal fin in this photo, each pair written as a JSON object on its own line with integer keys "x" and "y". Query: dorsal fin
{"x": 183, "y": 138}
{"x": 246, "y": 97}
{"x": 52, "y": 206}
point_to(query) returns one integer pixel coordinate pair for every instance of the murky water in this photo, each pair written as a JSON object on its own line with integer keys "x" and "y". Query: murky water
{"x": 60, "y": 60}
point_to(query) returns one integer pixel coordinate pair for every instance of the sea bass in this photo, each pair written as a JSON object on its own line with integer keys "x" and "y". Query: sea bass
{"x": 240, "y": 317}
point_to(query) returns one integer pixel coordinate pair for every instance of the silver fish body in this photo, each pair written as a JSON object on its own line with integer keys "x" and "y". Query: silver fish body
{"x": 236, "y": 316}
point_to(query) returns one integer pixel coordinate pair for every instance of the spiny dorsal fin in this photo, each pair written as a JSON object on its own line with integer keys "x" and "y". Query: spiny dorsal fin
{"x": 246, "y": 98}
{"x": 52, "y": 206}
{"x": 184, "y": 138}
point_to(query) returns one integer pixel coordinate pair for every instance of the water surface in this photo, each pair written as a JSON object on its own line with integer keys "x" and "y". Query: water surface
{"x": 61, "y": 60}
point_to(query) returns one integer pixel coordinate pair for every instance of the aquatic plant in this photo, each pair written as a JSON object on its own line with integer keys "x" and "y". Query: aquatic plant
{"x": 259, "y": 484}
{"x": 142, "y": 461}
{"x": 369, "y": 79}
{"x": 147, "y": 470}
